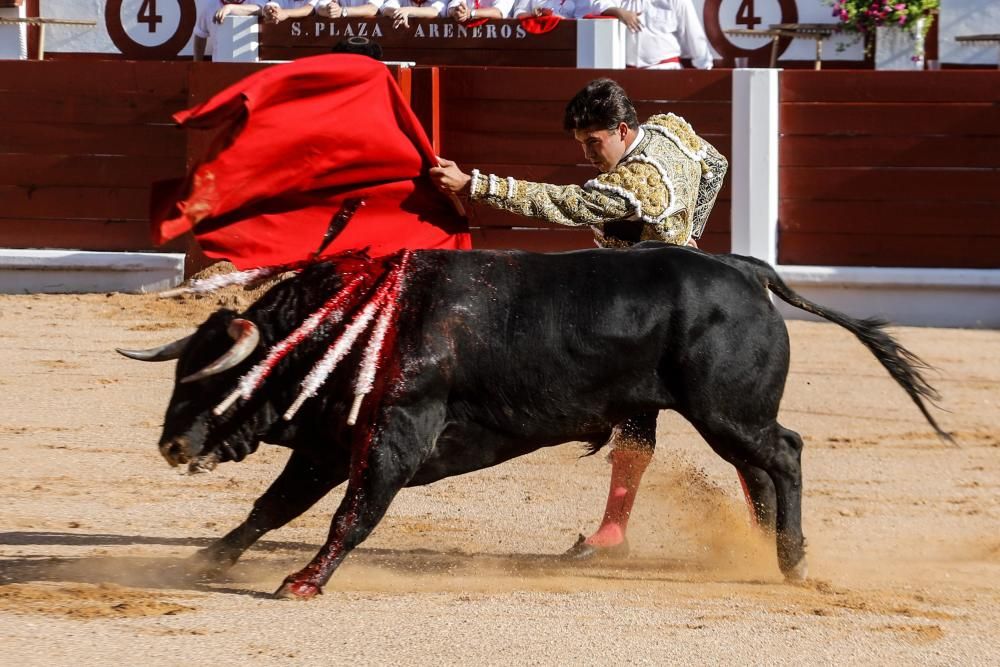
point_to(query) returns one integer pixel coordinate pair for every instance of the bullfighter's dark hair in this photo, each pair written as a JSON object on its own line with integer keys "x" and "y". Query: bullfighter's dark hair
{"x": 602, "y": 104}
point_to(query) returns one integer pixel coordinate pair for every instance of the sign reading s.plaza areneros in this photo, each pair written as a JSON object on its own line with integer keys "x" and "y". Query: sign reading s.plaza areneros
{"x": 427, "y": 41}
{"x": 442, "y": 30}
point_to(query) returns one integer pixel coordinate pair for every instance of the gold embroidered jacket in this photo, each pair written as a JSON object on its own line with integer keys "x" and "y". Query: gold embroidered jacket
{"x": 663, "y": 190}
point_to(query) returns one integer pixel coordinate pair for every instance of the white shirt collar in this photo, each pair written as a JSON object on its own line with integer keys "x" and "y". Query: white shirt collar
{"x": 635, "y": 143}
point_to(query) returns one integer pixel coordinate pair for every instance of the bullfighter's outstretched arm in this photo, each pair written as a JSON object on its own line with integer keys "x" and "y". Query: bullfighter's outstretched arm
{"x": 637, "y": 190}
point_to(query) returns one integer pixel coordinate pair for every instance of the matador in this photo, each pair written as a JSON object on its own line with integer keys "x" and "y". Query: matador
{"x": 659, "y": 182}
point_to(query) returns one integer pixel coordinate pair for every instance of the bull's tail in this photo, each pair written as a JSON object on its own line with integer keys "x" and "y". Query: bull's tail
{"x": 904, "y": 366}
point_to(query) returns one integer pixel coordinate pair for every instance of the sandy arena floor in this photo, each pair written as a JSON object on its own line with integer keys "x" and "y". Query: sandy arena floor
{"x": 904, "y": 530}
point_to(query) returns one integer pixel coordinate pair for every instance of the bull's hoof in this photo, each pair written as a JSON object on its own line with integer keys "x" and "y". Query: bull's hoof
{"x": 297, "y": 590}
{"x": 582, "y": 551}
{"x": 206, "y": 565}
{"x": 797, "y": 573}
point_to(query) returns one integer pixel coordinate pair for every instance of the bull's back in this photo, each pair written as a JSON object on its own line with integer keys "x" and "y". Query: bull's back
{"x": 577, "y": 338}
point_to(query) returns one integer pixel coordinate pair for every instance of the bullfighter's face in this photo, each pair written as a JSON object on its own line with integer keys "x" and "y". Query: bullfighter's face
{"x": 603, "y": 148}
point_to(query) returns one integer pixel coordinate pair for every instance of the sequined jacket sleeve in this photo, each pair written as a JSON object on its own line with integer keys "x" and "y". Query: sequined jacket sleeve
{"x": 561, "y": 204}
{"x": 668, "y": 184}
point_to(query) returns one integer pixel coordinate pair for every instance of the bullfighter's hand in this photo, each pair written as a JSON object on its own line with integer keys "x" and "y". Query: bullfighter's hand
{"x": 460, "y": 12}
{"x": 449, "y": 178}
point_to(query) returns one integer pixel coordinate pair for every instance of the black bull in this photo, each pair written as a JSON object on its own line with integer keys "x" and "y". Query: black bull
{"x": 499, "y": 354}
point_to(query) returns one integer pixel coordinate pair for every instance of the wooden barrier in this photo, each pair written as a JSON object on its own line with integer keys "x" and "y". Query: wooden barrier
{"x": 426, "y": 41}
{"x": 877, "y": 168}
{"x": 79, "y": 146}
{"x": 890, "y": 169}
{"x": 509, "y": 122}
{"x": 82, "y": 141}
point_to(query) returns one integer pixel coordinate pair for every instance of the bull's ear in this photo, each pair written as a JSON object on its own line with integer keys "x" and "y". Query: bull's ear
{"x": 162, "y": 353}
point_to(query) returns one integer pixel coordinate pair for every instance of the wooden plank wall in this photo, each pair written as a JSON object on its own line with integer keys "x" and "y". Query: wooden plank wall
{"x": 509, "y": 121}
{"x": 890, "y": 169}
{"x": 81, "y": 143}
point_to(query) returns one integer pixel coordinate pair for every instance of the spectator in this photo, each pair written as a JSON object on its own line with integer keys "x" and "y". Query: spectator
{"x": 660, "y": 31}
{"x": 276, "y": 11}
{"x": 355, "y": 9}
{"x": 211, "y": 14}
{"x": 481, "y": 9}
{"x": 402, "y": 10}
{"x": 567, "y": 9}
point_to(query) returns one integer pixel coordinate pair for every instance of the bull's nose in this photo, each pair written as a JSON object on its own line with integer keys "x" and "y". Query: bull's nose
{"x": 176, "y": 451}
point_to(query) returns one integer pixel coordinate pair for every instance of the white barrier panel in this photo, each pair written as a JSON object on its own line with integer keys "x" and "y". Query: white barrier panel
{"x": 237, "y": 40}
{"x": 80, "y": 271}
{"x": 13, "y": 38}
{"x": 600, "y": 44}
{"x": 967, "y": 298}
{"x": 753, "y": 168}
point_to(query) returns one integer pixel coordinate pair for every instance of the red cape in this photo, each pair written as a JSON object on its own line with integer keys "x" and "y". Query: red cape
{"x": 296, "y": 141}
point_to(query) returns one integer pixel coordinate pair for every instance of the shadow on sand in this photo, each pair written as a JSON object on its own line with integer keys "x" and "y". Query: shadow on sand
{"x": 267, "y": 562}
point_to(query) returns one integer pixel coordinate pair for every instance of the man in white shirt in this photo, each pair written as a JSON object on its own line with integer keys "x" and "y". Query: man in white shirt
{"x": 402, "y": 10}
{"x": 464, "y": 10}
{"x": 355, "y": 9}
{"x": 661, "y": 31}
{"x": 276, "y": 11}
{"x": 567, "y": 9}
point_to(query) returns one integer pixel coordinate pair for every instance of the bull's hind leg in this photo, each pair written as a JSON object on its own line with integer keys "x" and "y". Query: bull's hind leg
{"x": 776, "y": 451}
{"x": 759, "y": 490}
{"x": 385, "y": 457}
{"x": 299, "y": 486}
{"x": 786, "y": 473}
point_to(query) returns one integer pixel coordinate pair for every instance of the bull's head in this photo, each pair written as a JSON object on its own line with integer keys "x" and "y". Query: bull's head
{"x": 192, "y": 434}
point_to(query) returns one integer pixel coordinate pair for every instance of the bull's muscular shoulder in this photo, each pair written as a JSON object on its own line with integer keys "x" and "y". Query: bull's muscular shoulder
{"x": 680, "y": 132}
{"x": 644, "y": 183}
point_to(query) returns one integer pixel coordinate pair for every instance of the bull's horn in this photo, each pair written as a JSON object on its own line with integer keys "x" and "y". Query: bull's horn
{"x": 246, "y": 335}
{"x": 163, "y": 353}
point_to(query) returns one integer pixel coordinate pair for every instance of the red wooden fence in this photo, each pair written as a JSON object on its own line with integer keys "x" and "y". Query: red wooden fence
{"x": 877, "y": 168}
{"x": 509, "y": 121}
{"x": 890, "y": 169}
{"x": 80, "y": 144}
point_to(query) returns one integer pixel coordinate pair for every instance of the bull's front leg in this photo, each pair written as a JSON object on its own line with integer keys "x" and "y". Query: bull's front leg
{"x": 385, "y": 458}
{"x": 300, "y": 485}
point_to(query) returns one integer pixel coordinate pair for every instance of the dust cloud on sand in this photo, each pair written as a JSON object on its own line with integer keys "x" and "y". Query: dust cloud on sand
{"x": 96, "y": 530}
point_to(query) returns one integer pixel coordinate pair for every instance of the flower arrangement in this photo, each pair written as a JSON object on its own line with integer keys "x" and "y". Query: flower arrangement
{"x": 863, "y": 16}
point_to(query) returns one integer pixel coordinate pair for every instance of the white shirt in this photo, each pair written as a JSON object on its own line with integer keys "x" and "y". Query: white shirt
{"x": 398, "y": 4}
{"x": 568, "y": 9}
{"x": 293, "y": 4}
{"x": 503, "y": 5}
{"x": 351, "y": 3}
{"x": 204, "y": 24}
{"x": 670, "y": 28}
